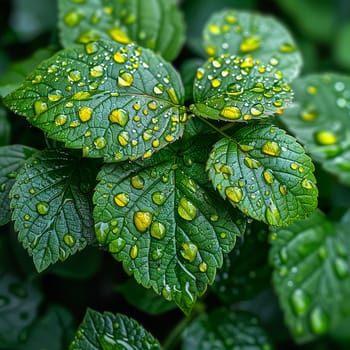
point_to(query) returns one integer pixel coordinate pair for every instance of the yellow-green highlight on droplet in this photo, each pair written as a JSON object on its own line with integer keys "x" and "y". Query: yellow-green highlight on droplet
{"x": 189, "y": 251}
{"x": 142, "y": 220}
{"x": 272, "y": 215}
{"x": 73, "y": 18}
{"x": 81, "y": 96}
{"x": 186, "y": 209}
{"x": 121, "y": 199}
{"x": 325, "y": 138}
{"x": 172, "y": 95}
{"x": 125, "y": 79}
{"x": 100, "y": 142}
{"x": 40, "y": 107}
{"x": 257, "y": 110}
{"x": 137, "y": 182}
{"x": 312, "y": 90}
{"x": 119, "y": 35}
{"x": 234, "y": 194}
{"x": 85, "y": 114}
{"x": 158, "y": 230}
{"x": 307, "y": 184}
{"x": 200, "y": 73}
{"x": 287, "y": 48}
{"x": 134, "y": 252}
{"x": 69, "y": 240}
{"x": 271, "y": 148}
{"x": 268, "y": 177}
{"x": 231, "y": 112}
{"x": 60, "y": 119}
{"x": 252, "y": 163}
{"x": 119, "y": 57}
{"x": 249, "y": 44}
{"x": 97, "y": 71}
{"x": 43, "y": 208}
{"x": 119, "y": 116}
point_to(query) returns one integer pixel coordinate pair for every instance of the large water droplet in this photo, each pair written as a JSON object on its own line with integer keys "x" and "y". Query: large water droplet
{"x": 203, "y": 267}
{"x": 121, "y": 199}
{"x": 159, "y": 198}
{"x": 268, "y": 177}
{"x": 60, "y": 119}
{"x": 231, "y": 112}
{"x": 119, "y": 116}
{"x": 116, "y": 245}
{"x": 319, "y": 321}
{"x": 97, "y": 71}
{"x": 40, "y": 107}
{"x": 300, "y": 302}
{"x": 189, "y": 251}
{"x": 43, "y": 208}
{"x": 85, "y": 113}
{"x": 158, "y": 230}
{"x": 100, "y": 142}
{"x": 69, "y": 240}
{"x": 257, "y": 110}
{"x": 271, "y": 148}
{"x": 307, "y": 184}
{"x": 138, "y": 182}
{"x": 272, "y": 215}
{"x": 249, "y": 43}
{"x": 234, "y": 194}
{"x": 187, "y": 209}
{"x": 325, "y": 138}
{"x": 125, "y": 79}
{"x": 142, "y": 220}
{"x": 251, "y": 163}
{"x": 134, "y": 252}
{"x": 119, "y": 35}
{"x": 341, "y": 267}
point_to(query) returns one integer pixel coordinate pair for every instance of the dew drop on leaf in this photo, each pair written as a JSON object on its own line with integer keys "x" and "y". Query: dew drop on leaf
{"x": 142, "y": 220}
{"x": 60, "y": 119}
{"x": 85, "y": 113}
{"x": 300, "y": 301}
{"x": 125, "y": 79}
{"x": 116, "y": 245}
{"x": 134, "y": 252}
{"x": 307, "y": 184}
{"x": 251, "y": 163}
{"x": 234, "y": 194}
{"x": 268, "y": 177}
{"x": 119, "y": 116}
{"x": 271, "y": 148}
{"x": 231, "y": 112}
{"x": 186, "y": 209}
{"x": 249, "y": 44}
{"x": 325, "y": 138}
{"x": 121, "y": 199}
{"x": 272, "y": 215}
{"x": 137, "y": 182}
{"x": 159, "y": 198}
{"x": 69, "y": 240}
{"x": 43, "y": 208}
{"x": 341, "y": 268}
{"x": 40, "y": 107}
{"x": 158, "y": 230}
{"x": 189, "y": 251}
{"x": 319, "y": 321}
{"x": 203, "y": 267}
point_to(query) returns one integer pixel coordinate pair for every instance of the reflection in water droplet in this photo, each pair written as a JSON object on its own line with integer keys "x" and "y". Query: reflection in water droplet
{"x": 251, "y": 163}
{"x": 271, "y": 148}
{"x": 121, "y": 199}
{"x": 300, "y": 302}
{"x": 43, "y": 208}
{"x": 137, "y": 182}
{"x": 189, "y": 251}
{"x": 234, "y": 194}
{"x": 203, "y": 267}
{"x": 268, "y": 177}
{"x": 319, "y": 321}
{"x": 257, "y": 110}
{"x": 116, "y": 245}
{"x": 69, "y": 240}
{"x": 119, "y": 116}
{"x": 187, "y": 209}
{"x": 158, "y": 230}
{"x": 40, "y": 107}
{"x": 100, "y": 142}
{"x": 125, "y": 79}
{"x": 159, "y": 198}
{"x": 166, "y": 292}
{"x": 142, "y": 220}
{"x": 249, "y": 43}
{"x": 85, "y": 114}
{"x": 60, "y": 119}
{"x": 307, "y": 184}
{"x": 231, "y": 112}
{"x": 283, "y": 190}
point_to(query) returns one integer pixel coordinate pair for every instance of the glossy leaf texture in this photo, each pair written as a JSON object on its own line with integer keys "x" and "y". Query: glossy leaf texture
{"x": 113, "y": 101}
{"x": 311, "y": 261}
{"x": 320, "y": 120}
{"x": 265, "y": 173}
{"x": 225, "y": 329}
{"x": 19, "y": 302}
{"x": 232, "y": 88}
{"x": 244, "y": 33}
{"x": 108, "y": 331}
{"x": 51, "y": 203}
{"x": 164, "y": 222}
{"x": 155, "y": 24}
{"x": 12, "y": 158}
{"x": 245, "y": 271}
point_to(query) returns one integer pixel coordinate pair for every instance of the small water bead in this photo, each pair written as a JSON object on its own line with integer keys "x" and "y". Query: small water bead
{"x": 74, "y": 75}
{"x": 155, "y": 143}
{"x": 91, "y": 48}
{"x": 325, "y": 138}
{"x": 234, "y": 194}
{"x": 123, "y": 138}
{"x": 158, "y": 230}
{"x": 287, "y": 48}
{"x": 73, "y": 18}
{"x": 137, "y": 182}
{"x": 40, "y": 107}
{"x": 271, "y": 148}
{"x": 341, "y": 268}
{"x": 116, "y": 245}
{"x": 200, "y": 73}
{"x": 231, "y": 112}
{"x": 100, "y": 142}
{"x": 43, "y": 208}
{"x": 210, "y": 50}
{"x": 300, "y": 302}
{"x": 125, "y": 79}
{"x": 55, "y": 95}
{"x": 251, "y": 163}
{"x": 319, "y": 321}
{"x": 159, "y": 198}
{"x": 215, "y": 83}
{"x": 234, "y": 89}
{"x": 257, "y": 110}
{"x": 142, "y": 220}
{"x": 69, "y": 240}
{"x": 121, "y": 199}
{"x": 249, "y": 44}
{"x": 203, "y": 267}
{"x": 27, "y": 217}
{"x": 134, "y": 252}
{"x": 268, "y": 177}
{"x": 283, "y": 190}
{"x": 310, "y": 114}
{"x": 293, "y": 166}
{"x": 189, "y": 251}
{"x": 307, "y": 184}
{"x": 37, "y": 79}
{"x": 119, "y": 116}
{"x": 85, "y": 114}
{"x": 166, "y": 293}
{"x": 97, "y": 71}
{"x": 186, "y": 209}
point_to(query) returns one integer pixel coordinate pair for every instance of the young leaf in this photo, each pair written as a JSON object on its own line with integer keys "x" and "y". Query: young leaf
{"x": 155, "y": 24}
{"x": 232, "y": 88}
{"x": 19, "y": 301}
{"x": 321, "y": 120}
{"x": 264, "y": 173}
{"x": 244, "y": 33}
{"x": 162, "y": 222}
{"x": 226, "y": 329}
{"x": 52, "y": 206}
{"x": 245, "y": 272}
{"x": 108, "y": 331}
{"x": 116, "y": 102}
{"x": 12, "y": 158}
{"x": 311, "y": 275}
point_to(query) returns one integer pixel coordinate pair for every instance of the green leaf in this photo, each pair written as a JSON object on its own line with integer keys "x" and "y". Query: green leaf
{"x": 109, "y": 332}
{"x": 264, "y": 173}
{"x": 244, "y": 33}
{"x": 226, "y": 329}
{"x": 19, "y": 301}
{"x": 155, "y": 24}
{"x": 326, "y": 138}
{"x": 144, "y": 299}
{"x": 245, "y": 272}
{"x": 12, "y": 158}
{"x": 114, "y": 101}
{"x": 342, "y": 47}
{"x": 164, "y": 222}
{"x": 311, "y": 261}
{"x": 188, "y": 73}
{"x": 52, "y": 206}
{"x": 234, "y": 88}
{"x": 5, "y": 128}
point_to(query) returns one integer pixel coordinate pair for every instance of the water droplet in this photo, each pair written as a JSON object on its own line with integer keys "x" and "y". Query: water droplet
{"x": 166, "y": 292}
{"x": 119, "y": 57}
{"x": 12, "y": 175}
{"x": 158, "y": 230}
{"x": 27, "y": 217}
{"x": 43, "y": 208}
{"x": 215, "y": 83}
{"x": 158, "y": 89}
{"x": 142, "y": 220}
{"x": 268, "y": 177}
{"x": 307, "y": 184}
{"x": 271, "y": 148}
{"x": 189, "y": 251}
{"x": 123, "y": 138}
{"x": 231, "y": 112}
{"x": 117, "y": 34}
{"x": 172, "y": 95}
{"x": 187, "y": 209}
{"x": 319, "y": 321}
{"x": 210, "y": 50}
{"x": 300, "y": 302}
{"x": 134, "y": 252}
{"x": 287, "y": 48}
{"x": 250, "y": 43}
{"x": 60, "y": 119}
{"x": 273, "y": 215}
{"x": 159, "y": 198}
{"x": 119, "y": 116}
{"x": 121, "y": 199}
{"x": 72, "y": 18}
{"x": 74, "y": 75}
{"x": 137, "y": 182}
{"x": 37, "y": 79}
{"x": 85, "y": 113}
{"x": 234, "y": 194}
{"x": 311, "y": 90}
{"x": 81, "y": 96}
{"x": 125, "y": 79}
{"x": 91, "y": 48}
{"x": 341, "y": 267}
{"x": 97, "y": 71}
{"x": 156, "y": 254}
{"x": 251, "y": 163}
{"x": 2, "y": 187}
{"x": 294, "y": 166}
{"x": 100, "y": 142}
{"x": 325, "y": 138}
{"x": 40, "y": 107}
{"x": 116, "y": 245}
{"x": 200, "y": 73}
{"x": 257, "y": 110}
{"x": 69, "y": 240}
{"x": 203, "y": 267}
{"x": 283, "y": 190}
{"x": 55, "y": 96}
{"x": 214, "y": 217}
